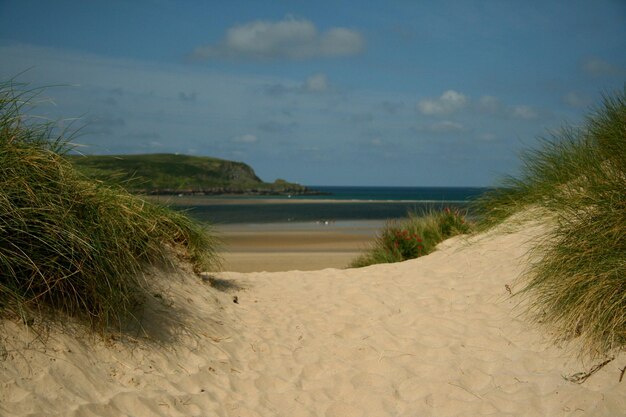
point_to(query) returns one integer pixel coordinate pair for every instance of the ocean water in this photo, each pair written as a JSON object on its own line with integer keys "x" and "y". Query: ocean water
{"x": 408, "y": 194}
{"x": 342, "y": 204}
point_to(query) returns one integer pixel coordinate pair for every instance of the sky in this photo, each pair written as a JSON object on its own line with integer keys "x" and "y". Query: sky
{"x": 395, "y": 93}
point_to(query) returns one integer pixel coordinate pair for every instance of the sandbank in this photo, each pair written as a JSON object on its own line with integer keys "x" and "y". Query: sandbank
{"x": 306, "y": 246}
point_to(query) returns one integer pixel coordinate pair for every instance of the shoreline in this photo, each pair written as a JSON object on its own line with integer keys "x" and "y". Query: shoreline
{"x": 186, "y": 201}
{"x": 218, "y": 211}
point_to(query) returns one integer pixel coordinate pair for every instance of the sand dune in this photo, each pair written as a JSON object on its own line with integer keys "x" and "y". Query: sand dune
{"x": 436, "y": 336}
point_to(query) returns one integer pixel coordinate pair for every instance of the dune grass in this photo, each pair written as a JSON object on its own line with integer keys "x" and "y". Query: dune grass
{"x": 72, "y": 245}
{"x": 577, "y": 179}
{"x": 415, "y": 236}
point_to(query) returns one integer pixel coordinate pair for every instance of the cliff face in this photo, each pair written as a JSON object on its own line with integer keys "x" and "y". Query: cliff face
{"x": 181, "y": 174}
{"x": 239, "y": 172}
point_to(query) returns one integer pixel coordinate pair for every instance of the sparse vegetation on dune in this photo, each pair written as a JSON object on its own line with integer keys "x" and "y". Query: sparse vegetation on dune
{"x": 415, "y": 236}
{"x": 70, "y": 244}
{"x": 577, "y": 179}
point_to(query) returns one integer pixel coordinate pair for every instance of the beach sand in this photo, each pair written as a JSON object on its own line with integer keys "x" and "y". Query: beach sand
{"x": 435, "y": 336}
{"x": 309, "y": 246}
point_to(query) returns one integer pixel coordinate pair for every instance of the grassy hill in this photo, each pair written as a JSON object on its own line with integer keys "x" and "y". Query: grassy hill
{"x": 181, "y": 174}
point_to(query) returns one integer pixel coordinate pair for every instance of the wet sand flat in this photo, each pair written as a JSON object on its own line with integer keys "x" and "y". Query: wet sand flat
{"x": 300, "y": 246}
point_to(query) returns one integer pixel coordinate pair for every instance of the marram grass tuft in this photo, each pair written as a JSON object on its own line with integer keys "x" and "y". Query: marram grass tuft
{"x": 578, "y": 179}
{"x": 72, "y": 245}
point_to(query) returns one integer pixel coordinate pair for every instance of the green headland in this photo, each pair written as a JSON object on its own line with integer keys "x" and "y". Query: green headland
{"x": 166, "y": 174}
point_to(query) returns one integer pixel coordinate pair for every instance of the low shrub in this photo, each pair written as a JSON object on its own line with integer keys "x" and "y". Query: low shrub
{"x": 452, "y": 222}
{"x": 413, "y": 237}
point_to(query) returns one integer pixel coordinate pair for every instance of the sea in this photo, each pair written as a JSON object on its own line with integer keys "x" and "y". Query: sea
{"x": 338, "y": 204}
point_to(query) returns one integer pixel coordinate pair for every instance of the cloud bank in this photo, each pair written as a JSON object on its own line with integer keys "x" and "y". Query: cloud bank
{"x": 598, "y": 67}
{"x": 317, "y": 83}
{"x": 312, "y": 128}
{"x": 449, "y": 102}
{"x": 247, "y": 138}
{"x": 290, "y": 38}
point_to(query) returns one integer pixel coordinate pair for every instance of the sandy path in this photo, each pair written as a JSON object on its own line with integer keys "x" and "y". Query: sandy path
{"x": 436, "y": 336}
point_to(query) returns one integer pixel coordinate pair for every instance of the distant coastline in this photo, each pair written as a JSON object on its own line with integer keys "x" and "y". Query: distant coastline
{"x": 229, "y": 192}
{"x": 337, "y": 204}
{"x": 325, "y": 194}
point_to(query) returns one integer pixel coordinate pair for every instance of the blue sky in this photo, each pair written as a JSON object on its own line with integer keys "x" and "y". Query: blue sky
{"x": 389, "y": 92}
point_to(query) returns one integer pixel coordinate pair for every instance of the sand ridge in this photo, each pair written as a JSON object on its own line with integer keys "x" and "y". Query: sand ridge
{"x": 435, "y": 336}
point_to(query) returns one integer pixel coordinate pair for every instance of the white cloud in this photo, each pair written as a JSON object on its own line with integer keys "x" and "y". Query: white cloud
{"x": 487, "y": 137}
{"x": 489, "y": 104}
{"x": 446, "y": 126}
{"x": 341, "y": 42}
{"x": 317, "y": 83}
{"x": 288, "y": 38}
{"x": 524, "y": 112}
{"x": 187, "y": 97}
{"x": 598, "y": 67}
{"x": 573, "y": 99}
{"x": 494, "y": 106}
{"x": 392, "y": 107}
{"x": 449, "y": 102}
{"x": 247, "y": 138}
